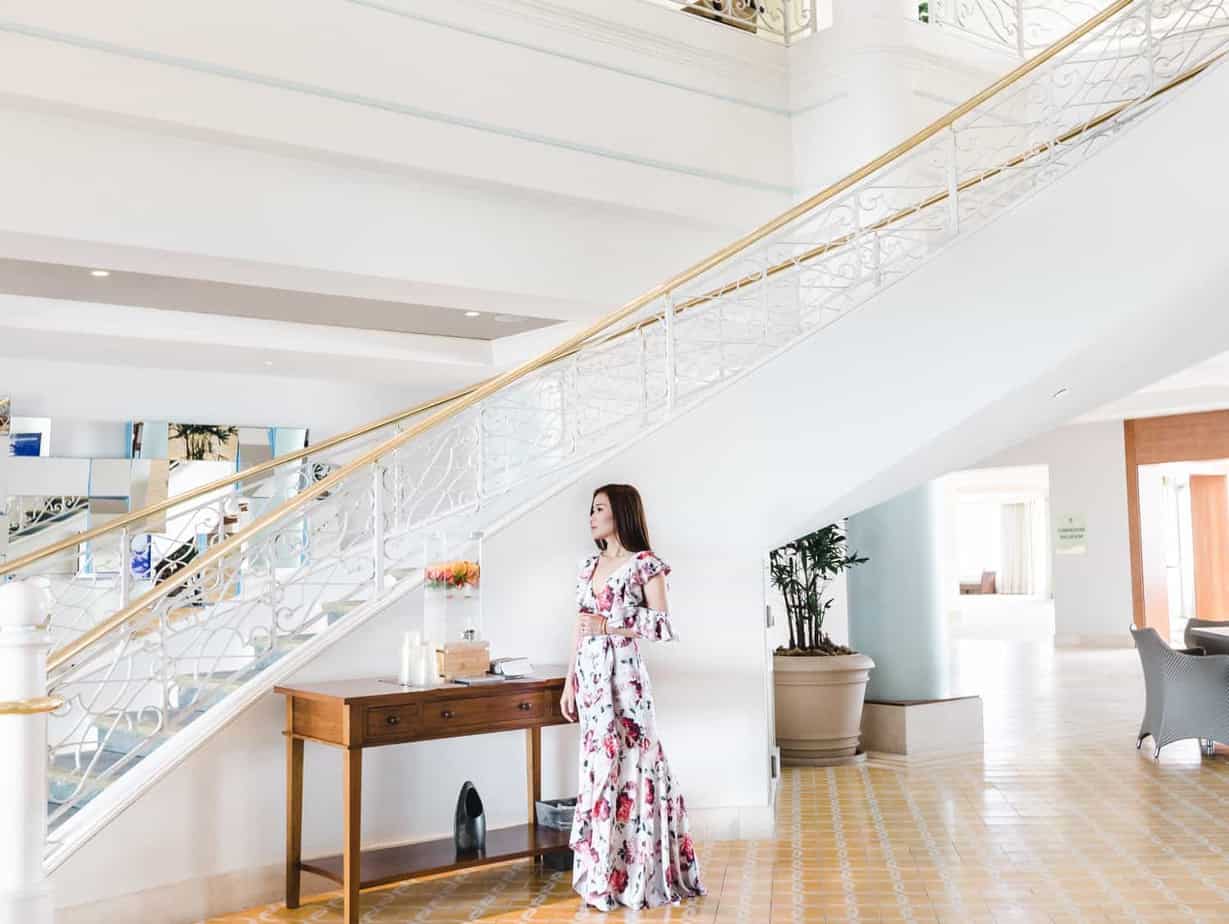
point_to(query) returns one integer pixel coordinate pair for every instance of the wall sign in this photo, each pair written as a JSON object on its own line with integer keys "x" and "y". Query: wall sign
{"x": 1070, "y": 535}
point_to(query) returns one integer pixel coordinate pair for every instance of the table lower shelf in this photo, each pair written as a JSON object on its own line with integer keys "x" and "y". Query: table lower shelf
{"x": 394, "y": 864}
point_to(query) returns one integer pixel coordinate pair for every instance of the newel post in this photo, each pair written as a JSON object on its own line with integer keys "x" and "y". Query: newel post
{"x": 25, "y": 895}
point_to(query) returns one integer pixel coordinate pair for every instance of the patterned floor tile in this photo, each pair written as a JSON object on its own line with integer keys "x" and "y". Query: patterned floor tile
{"x": 1060, "y": 820}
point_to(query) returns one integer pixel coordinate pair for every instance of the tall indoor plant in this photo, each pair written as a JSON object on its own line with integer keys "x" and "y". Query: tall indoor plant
{"x": 820, "y": 685}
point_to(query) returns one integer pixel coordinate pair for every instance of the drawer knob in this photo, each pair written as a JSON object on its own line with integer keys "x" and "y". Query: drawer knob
{"x": 447, "y": 713}
{"x": 525, "y": 706}
{"x": 393, "y": 719}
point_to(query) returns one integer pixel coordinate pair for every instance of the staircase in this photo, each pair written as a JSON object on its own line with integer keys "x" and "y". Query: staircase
{"x": 150, "y": 665}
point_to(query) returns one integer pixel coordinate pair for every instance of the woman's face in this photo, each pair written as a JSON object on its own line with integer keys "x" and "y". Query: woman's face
{"x": 601, "y": 520}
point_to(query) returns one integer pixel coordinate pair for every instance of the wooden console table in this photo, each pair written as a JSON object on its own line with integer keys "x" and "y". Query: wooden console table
{"x": 357, "y": 714}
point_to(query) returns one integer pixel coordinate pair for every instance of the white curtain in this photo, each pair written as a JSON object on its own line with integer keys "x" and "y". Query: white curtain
{"x": 1016, "y": 565}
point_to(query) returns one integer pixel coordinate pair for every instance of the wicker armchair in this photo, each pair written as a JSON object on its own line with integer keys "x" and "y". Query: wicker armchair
{"x": 1186, "y": 694}
{"x": 1212, "y": 644}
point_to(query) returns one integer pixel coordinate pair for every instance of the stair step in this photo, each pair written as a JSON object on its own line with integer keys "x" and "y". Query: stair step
{"x": 65, "y": 812}
{"x": 336, "y": 610}
{"x": 130, "y": 733}
{"x": 197, "y": 693}
{"x": 67, "y": 776}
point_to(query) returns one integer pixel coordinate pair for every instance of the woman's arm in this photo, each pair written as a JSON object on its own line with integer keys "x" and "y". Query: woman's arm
{"x": 650, "y": 621}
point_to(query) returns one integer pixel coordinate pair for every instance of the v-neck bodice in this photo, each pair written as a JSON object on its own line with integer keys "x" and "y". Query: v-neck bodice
{"x": 623, "y": 589}
{"x": 596, "y": 560}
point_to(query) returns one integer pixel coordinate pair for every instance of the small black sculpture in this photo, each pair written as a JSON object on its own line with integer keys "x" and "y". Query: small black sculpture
{"x": 469, "y": 830}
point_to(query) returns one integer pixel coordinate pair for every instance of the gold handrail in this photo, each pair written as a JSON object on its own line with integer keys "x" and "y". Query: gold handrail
{"x": 575, "y": 342}
{"x": 247, "y": 474}
{"x": 36, "y": 705}
{"x": 901, "y": 214}
{"x": 937, "y": 198}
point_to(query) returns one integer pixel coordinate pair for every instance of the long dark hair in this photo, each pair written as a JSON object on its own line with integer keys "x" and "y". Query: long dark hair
{"x": 628, "y": 510}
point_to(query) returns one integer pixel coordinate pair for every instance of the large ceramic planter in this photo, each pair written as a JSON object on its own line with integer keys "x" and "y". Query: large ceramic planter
{"x": 819, "y": 706}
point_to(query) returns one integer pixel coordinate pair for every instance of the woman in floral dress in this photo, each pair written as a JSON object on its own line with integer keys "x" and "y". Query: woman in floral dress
{"x": 629, "y": 833}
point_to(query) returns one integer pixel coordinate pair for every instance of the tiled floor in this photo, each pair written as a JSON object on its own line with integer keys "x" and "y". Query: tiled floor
{"x": 1060, "y": 820}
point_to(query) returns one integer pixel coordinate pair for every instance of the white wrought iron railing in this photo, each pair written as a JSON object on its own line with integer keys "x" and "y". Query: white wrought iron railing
{"x": 94, "y": 572}
{"x": 214, "y": 628}
{"x": 782, "y": 21}
{"x": 1023, "y": 26}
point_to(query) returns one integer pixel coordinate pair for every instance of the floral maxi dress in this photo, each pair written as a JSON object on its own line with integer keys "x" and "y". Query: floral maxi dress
{"x": 629, "y": 832}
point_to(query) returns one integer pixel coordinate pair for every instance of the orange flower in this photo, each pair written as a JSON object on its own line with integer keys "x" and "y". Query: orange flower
{"x": 460, "y": 573}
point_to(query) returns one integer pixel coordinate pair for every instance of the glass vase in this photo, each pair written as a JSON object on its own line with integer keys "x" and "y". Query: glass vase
{"x": 452, "y": 592}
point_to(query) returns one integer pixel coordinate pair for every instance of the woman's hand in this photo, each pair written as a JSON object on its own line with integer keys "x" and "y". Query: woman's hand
{"x": 591, "y": 624}
{"x": 567, "y": 702}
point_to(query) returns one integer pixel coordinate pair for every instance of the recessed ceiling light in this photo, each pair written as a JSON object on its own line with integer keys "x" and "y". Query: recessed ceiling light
{"x": 1058, "y": 394}
{"x": 268, "y": 362}
{"x": 100, "y": 273}
{"x": 472, "y": 314}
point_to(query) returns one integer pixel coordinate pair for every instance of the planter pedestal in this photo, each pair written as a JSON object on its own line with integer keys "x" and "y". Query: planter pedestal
{"x": 819, "y": 707}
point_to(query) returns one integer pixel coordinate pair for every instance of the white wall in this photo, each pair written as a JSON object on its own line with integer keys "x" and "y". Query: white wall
{"x": 284, "y": 217}
{"x": 488, "y": 151}
{"x": 1092, "y": 592}
{"x": 453, "y": 90}
{"x": 549, "y": 159}
{"x": 485, "y": 155}
{"x": 93, "y": 391}
{"x": 876, "y": 76}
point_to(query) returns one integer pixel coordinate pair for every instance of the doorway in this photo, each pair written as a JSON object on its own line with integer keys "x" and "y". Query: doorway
{"x": 997, "y": 575}
{"x": 1177, "y": 470}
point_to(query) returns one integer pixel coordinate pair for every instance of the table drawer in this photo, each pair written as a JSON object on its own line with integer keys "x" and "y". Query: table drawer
{"x": 384, "y": 722}
{"x": 506, "y": 710}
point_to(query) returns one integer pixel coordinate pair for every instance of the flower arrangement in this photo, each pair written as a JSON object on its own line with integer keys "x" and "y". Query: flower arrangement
{"x": 453, "y": 574}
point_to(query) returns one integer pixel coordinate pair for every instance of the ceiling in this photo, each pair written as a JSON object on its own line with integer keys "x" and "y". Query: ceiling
{"x": 1203, "y": 386}
{"x": 172, "y": 293}
{"x": 994, "y": 483}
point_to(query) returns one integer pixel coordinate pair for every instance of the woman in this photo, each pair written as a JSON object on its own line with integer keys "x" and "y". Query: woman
{"x": 629, "y": 832}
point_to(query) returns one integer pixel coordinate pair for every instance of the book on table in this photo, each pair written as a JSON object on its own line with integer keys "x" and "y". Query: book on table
{"x": 512, "y": 667}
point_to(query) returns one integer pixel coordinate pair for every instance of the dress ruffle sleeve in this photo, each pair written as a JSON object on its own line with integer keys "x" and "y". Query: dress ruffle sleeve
{"x": 646, "y": 622}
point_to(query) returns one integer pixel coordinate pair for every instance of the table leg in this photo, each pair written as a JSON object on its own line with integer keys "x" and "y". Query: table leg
{"x": 353, "y": 786}
{"x": 533, "y": 775}
{"x": 294, "y": 809}
{"x": 533, "y": 766}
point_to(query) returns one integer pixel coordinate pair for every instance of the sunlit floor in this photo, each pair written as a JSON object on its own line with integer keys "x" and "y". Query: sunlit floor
{"x": 1061, "y": 819}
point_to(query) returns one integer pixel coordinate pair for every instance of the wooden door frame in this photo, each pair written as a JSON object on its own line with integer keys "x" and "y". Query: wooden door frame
{"x": 1197, "y": 437}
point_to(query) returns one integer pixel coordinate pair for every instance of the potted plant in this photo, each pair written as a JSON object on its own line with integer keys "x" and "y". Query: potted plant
{"x": 819, "y": 684}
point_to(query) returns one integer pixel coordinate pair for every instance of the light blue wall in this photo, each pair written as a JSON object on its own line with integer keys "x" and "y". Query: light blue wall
{"x": 895, "y": 598}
